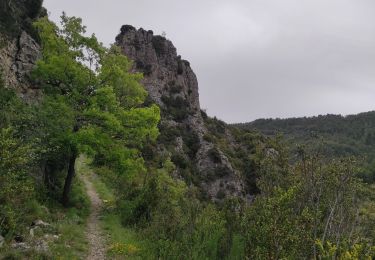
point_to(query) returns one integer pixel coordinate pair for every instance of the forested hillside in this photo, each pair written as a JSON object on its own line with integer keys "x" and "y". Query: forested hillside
{"x": 105, "y": 153}
{"x": 331, "y": 135}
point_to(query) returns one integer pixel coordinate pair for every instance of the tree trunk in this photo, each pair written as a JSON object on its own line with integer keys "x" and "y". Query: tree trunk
{"x": 69, "y": 178}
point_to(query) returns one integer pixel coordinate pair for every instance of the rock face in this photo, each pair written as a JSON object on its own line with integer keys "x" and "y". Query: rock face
{"x": 165, "y": 72}
{"x": 172, "y": 84}
{"x": 17, "y": 58}
{"x": 18, "y": 49}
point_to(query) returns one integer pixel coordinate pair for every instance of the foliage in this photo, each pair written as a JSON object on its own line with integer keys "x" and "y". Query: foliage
{"x": 69, "y": 225}
{"x": 170, "y": 218}
{"x": 332, "y": 251}
{"x": 191, "y": 139}
{"x": 16, "y": 186}
{"x": 180, "y": 161}
{"x": 299, "y": 204}
{"x": 214, "y": 154}
{"x": 99, "y": 97}
{"x": 176, "y": 106}
{"x": 123, "y": 249}
{"x": 331, "y": 135}
{"x": 159, "y": 44}
{"x": 239, "y": 146}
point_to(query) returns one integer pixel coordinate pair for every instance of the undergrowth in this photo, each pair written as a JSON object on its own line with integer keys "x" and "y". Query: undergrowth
{"x": 68, "y": 224}
{"x": 122, "y": 242}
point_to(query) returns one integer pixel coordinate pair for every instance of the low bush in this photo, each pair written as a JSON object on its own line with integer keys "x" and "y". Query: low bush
{"x": 177, "y": 107}
{"x": 214, "y": 155}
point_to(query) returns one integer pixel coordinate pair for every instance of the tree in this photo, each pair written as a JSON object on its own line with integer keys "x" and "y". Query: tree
{"x": 16, "y": 186}
{"x": 101, "y": 100}
{"x": 305, "y": 207}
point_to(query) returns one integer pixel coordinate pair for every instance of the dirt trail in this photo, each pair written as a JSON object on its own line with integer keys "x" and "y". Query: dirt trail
{"x": 94, "y": 236}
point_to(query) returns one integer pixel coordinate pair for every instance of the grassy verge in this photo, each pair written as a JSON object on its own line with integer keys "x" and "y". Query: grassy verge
{"x": 122, "y": 242}
{"x": 71, "y": 225}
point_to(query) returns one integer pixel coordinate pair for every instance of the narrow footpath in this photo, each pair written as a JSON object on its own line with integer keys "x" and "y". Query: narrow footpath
{"x": 94, "y": 235}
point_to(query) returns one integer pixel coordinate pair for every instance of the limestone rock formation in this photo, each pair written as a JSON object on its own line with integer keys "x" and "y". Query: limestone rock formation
{"x": 18, "y": 48}
{"x": 172, "y": 85}
{"x": 17, "y": 58}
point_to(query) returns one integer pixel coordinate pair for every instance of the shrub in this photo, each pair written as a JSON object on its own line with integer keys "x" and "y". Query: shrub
{"x": 192, "y": 142}
{"x": 177, "y": 107}
{"x": 175, "y": 89}
{"x": 180, "y": 68}
{"x": 222, "y": 171}
{"x": 179, "y": 160}
{"x": 214, "y": 155}
{"x": 158, "y": 42}
{"x": 220, "y": 194}
{"x": 209, "y": 138}
{"x": 145, "y": 68}
{"x": 204, "y": 114}
{"x": 123, "y": 249}
{"x": 16, "y": 186}
{"x": 168, "y": 134}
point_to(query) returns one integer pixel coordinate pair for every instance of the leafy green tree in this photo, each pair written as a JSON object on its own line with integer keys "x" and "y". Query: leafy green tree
{"x": 101, "y": 100}
{"x": 274, "y": 227}
{"x": 16, "y": 185}
{"x": 304, "y": 207}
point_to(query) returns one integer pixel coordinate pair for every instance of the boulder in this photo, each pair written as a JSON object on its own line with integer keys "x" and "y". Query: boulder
{"x": 20, "y": 246}
{"x": 40, "y": 223}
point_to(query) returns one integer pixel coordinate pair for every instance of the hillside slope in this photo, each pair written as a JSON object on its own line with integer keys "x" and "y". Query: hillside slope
{"x": 332, "y": 135}
{"x": 346, "y": 135}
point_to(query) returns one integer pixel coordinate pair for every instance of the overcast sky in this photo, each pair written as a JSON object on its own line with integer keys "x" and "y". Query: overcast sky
{"x": 257, "y": 58}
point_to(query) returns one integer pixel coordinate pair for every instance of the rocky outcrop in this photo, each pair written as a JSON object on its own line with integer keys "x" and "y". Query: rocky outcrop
{"x": 41, "y": 236}
{"x": 172, "y": 84}
{"x": 17, "y": 59}
{"x": 165, "y": 73}
{"x": 18, "y": 48}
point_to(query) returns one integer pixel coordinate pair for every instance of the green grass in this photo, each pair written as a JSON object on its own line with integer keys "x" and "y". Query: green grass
{"x": 103, "y": 190}
{"x": 71, "y": 224}
{"x": 72, "y": 243}
{"x": 122, "y": 242}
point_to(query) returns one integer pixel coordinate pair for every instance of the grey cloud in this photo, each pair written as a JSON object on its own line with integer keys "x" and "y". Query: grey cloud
{"x": 257, "y": 58}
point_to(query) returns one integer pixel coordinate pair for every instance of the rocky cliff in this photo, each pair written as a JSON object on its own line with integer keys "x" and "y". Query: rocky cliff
{"x": 17, "y": 58}
{"x": 19, "y": 49}
{"x": 172, "y": 84}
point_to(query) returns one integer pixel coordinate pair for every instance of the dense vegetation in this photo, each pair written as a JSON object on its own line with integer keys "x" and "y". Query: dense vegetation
{"x": 332, "y": 135}
{"x": 93, "y": 107}
{"x": 91, "y": 104}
